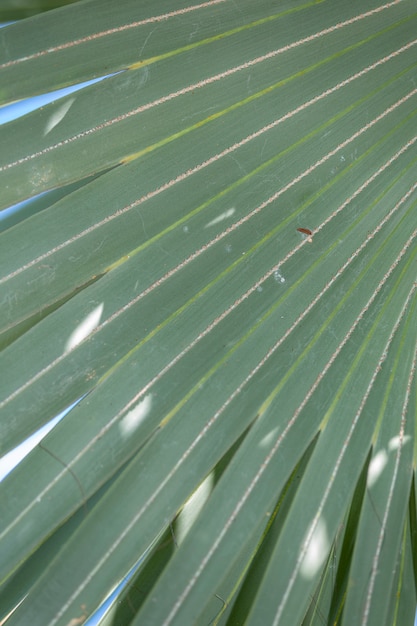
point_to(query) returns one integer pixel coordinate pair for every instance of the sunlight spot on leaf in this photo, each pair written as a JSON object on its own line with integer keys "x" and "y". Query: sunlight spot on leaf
{"x": 193, "y": 507}
{"x": 278, "y": 277}
{"x": 85, "y": 327}
{"x": 376, "y": 467}
{"x": 268, "y": 439}
{"x": 136, "y": 416}
{"x": 394, "y": 443}
{"x": 223, "y": 216}
{"x": 58, "y": 115}
{"x": 317, "y": 551}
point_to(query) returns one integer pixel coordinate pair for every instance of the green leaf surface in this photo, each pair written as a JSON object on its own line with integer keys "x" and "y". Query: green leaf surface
{"x": 163, "y": 277}
{"x": 19, "y": 9}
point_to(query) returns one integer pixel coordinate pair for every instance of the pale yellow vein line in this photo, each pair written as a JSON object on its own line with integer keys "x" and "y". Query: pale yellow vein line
{"x": 210, "y": 327}
{"x": 272, "y": 453}
{"x": 111, "y": 31}
{"x": 248, "y": 378}
{"x": 218, "y": 238}
{"x": 269, "y": 273}
{"x": 320, "y": 509}
{"x": 220, "y": 155}
{"x": 204, "y": 83}
{"x": 366, "y": 612}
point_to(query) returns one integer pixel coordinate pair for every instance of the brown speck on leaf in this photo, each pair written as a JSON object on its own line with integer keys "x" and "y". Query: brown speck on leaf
{"x": 307, "y": 232}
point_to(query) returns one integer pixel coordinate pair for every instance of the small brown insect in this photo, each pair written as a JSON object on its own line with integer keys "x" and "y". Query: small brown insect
{"x": 306, "y": 231}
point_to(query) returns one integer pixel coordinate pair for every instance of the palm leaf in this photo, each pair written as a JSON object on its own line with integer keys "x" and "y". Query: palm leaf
{"x": 162, "y": 282}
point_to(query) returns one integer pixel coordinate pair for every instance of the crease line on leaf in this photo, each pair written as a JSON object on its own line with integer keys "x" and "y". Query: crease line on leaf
{"x": 183, "y": 11}
{"x": 322, "y": 328}
{"x": 269, "y": 353}
{"x": 277, "y": 266}
{"x": 262, "y": 469}
{"x": 383, "y": 405}
{"x": 111, "y": 31}
{"x": 181, "y": 460}
{"x": 259, "y": 94}
{"x": 320, "y": 508}
{"x": 233, "y": 31}
{"x": 215, "y": 158}
{"x": 366, "y": 612}
{"x": 221, "y": 235}
{"x": 217, "y": 115}
{"x": 340, "y": 305}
